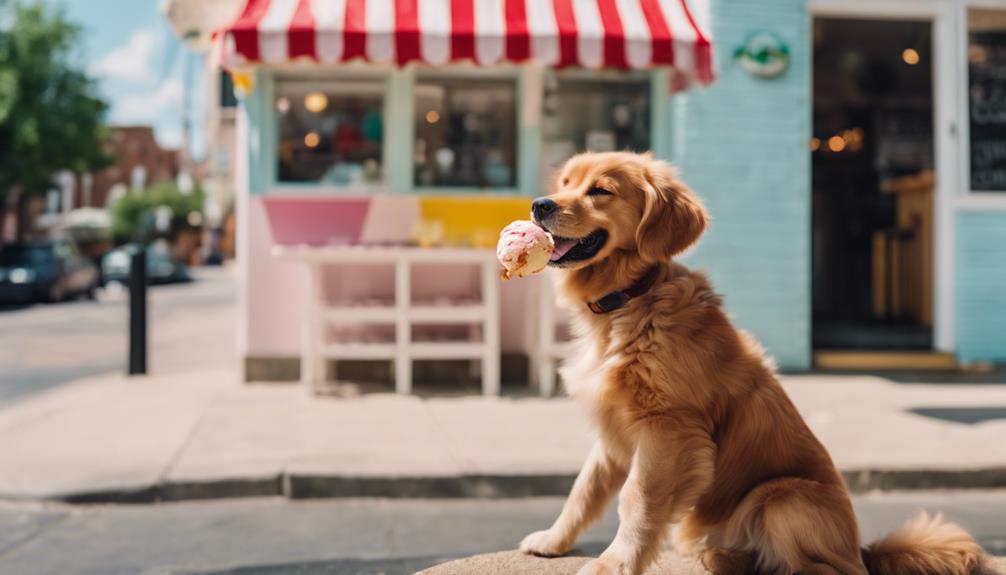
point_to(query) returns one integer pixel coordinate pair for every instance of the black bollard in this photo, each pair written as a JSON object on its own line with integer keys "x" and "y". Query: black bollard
{"x": 138, "y": 312}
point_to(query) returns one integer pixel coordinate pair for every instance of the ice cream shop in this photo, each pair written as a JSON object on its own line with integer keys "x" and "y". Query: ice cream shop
{"x": 383, "y": 144}
{"x": 388, "y": 142}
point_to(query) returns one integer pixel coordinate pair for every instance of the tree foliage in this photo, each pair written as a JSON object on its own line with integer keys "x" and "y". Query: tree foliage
{"x": 51, "y": 115}
{"x": 133, "y": 215}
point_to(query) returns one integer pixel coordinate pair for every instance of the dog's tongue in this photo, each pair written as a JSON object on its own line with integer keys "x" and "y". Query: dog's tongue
{"x": 561, "y": 247}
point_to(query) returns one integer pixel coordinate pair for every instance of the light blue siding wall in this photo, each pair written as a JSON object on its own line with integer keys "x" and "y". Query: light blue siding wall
{"x": 742, "y": 145}
{"x": 981, "y": 285}
{"x": 256, "y": 106}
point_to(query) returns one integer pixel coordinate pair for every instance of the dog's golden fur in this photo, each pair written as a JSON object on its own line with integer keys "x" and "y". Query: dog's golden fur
{"x": 694, "y": 426}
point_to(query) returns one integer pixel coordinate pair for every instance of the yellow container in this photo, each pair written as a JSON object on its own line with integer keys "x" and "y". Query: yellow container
{"x": 473, "y": 220}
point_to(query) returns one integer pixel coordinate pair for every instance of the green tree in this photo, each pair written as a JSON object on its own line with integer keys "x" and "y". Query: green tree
{"x": 133, "y": 215}
{"x": 51, "y": 116}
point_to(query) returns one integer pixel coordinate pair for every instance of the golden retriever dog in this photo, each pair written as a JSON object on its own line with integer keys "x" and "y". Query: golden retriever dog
{"x": 694, "y": 427}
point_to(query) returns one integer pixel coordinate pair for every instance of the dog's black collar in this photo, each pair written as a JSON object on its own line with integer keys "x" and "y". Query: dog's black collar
{"x": 617, "y": 299}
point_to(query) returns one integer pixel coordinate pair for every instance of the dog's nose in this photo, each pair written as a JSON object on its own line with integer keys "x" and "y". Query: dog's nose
{"x": 542, "y": 208}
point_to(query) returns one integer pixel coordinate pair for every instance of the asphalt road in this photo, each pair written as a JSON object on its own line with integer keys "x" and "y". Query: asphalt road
{"x": 349, "y": 536}
{"x": 191, "y": 326}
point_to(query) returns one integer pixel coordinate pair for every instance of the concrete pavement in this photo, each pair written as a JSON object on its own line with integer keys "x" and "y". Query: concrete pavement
{"x": 273, "y": 536}
{"x": 192, "y": 327}
{"x": 202, "y": 434}
{"x": 72, "y": 427}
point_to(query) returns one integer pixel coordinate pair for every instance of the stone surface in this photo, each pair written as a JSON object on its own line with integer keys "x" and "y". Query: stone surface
{"x": 517, "y": 563}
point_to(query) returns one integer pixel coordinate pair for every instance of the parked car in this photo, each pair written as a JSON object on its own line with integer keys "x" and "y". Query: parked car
{"x": 51, "y": 270}
{"x": 161, "y": 268}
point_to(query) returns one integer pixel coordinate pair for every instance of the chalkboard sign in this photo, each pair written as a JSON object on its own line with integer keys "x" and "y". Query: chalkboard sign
{"x": 987, "y": 89}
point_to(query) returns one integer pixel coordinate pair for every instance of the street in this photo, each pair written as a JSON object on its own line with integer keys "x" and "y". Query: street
{"x": 191, "y": 327}
{"x": 350, "y": 536}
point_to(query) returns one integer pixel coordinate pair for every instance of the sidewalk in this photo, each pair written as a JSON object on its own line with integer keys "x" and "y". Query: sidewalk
{"x": 204, "y": 435}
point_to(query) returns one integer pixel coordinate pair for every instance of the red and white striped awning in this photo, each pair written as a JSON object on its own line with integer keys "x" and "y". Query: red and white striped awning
{"x": 623, "y": 34}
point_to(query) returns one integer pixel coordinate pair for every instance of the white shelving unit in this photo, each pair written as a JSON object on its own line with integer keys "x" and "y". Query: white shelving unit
{"x": 545, "y": 350}
{"x": 401, "y": 314}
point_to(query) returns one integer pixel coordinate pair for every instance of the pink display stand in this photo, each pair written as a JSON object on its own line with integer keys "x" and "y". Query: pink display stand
{"x": 316, "y": 221}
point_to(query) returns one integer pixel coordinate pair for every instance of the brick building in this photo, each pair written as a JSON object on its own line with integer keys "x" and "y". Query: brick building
{"x": 139, "y": 160}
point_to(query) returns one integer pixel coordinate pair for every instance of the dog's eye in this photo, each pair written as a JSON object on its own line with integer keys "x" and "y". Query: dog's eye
{"x": 598, "y": 192}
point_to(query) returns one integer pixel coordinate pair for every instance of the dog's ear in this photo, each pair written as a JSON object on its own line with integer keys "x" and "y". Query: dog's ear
{"x": 673, "y": 217}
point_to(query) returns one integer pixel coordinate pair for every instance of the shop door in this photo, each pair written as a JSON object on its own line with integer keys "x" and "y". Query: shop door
{"x": 873, "y": 184}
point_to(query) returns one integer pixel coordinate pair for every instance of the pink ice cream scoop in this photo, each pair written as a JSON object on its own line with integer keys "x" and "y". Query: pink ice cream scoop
{"x": 524, "y": 249}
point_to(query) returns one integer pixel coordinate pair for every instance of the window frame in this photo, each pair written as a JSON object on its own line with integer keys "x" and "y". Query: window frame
{"x": 323, "y": 77}
{"x": 505, "y": 72}
{"x": 649, "y": 77}
{"x": 399, "y": 124}
{"x": 976, "y": 198}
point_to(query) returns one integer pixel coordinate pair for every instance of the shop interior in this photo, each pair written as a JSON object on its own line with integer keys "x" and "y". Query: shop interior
{"x": 873, "y": 185}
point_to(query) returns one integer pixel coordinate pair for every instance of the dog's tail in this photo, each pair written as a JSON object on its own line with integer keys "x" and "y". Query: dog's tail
{"x": 926, "y": 545}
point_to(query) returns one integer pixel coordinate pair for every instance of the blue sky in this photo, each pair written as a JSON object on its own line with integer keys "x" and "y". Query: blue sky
{"x": 131, "y": 49}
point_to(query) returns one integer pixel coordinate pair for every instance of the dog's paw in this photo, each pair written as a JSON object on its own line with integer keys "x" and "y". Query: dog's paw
{"x": 545, "y": 543}
{"x": 604, "y": 566}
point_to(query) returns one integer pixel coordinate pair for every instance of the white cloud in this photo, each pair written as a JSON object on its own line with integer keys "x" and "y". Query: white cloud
{"x": 132, "y": 61}
{"x": 160, "y": 107}
{"x": 146, "y": 106}
{"x": 169, "y": 134}
{"x": 142, "y": 93}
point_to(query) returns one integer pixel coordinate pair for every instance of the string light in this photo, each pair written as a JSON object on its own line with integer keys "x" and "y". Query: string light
{"x": 312, "y": 139}
{"x": 910, "y": 56}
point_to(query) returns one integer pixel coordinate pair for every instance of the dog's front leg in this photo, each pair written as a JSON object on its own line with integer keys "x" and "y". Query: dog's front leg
{"x": 601, "y": 475}
{"x": 672, "y": 468}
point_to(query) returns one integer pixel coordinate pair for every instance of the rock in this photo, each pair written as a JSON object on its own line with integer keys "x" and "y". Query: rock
{"x": 517, "y": 563}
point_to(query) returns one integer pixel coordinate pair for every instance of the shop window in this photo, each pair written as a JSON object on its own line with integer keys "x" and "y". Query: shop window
{"x": 227, "y": 97}
{"x": 987, "y": 98}
{"x": 330, "y": 132}
{"x": 466, "y": 132}
{"x": 595, "y": 115}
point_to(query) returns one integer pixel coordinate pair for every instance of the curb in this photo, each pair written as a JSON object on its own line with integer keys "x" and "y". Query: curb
{"x": 481, "y": 486}
{"x": 909, "y": 479}
{"x": 462, "y": 486}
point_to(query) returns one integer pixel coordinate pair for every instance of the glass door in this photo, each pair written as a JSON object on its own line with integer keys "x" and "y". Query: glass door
{"x": 874, "y": 184}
